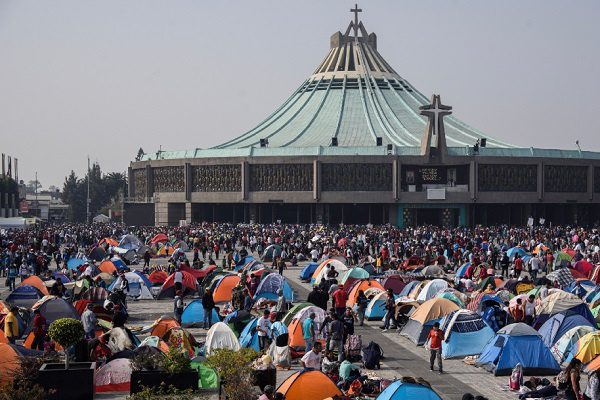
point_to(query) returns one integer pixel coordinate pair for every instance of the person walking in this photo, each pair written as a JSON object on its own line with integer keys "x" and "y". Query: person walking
{"x": 281, "y": 307}
{"x": 147, "y": 259}
{"x": 335, "y": 331}
{"x": 389, "y": 320}
{"x": 208, "y": 304}
{"x": 263, "y": 327}
{"x": 529, "y": 309}
{"x": 40, "y": 328}
{"x": 12, "y": 276}
{"x": 178, "y": 279}
{"x": 361, "y": 301}
{"x": 339, "y": 300}
{"x": 281, "y": 265}
{"x": 11, "y": 325}
{"x": 308, "y": 332}
{"x": 178, "y": 306}
{"x": 435, "y": 337}
{"x": 89, "y": 321}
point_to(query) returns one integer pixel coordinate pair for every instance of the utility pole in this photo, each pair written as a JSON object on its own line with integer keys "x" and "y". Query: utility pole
{"x": 88, "y": 193}
{"x": 36, "y": 197}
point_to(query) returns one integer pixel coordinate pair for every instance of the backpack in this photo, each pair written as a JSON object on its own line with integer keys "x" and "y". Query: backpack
{"x": 516, "y": 378}
{"x": 371, "y": 355}
{"x": 352, "y": 347}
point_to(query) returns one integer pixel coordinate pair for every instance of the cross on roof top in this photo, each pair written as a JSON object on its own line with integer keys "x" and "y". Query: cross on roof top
{"x": 355, "y": 10}
{"x": 436, "y": 111}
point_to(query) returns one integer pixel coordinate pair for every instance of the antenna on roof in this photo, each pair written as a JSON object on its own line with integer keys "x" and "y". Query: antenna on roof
{"x": 577, "y": 144}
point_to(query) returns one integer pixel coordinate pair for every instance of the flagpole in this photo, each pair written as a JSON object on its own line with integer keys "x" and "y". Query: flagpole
{"x": 88, "y": 193}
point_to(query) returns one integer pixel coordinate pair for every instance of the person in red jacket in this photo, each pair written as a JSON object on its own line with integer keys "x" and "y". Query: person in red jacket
{"x": 339, "y": 301}
{"x": 518, "y": 266}
{"x": 436, "y": 335}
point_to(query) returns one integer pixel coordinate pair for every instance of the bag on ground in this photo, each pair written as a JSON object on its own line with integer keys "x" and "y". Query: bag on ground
{"x": 371, "y": 355}
{"x": 353, "y": 347}
{"x": 516, "y": 378}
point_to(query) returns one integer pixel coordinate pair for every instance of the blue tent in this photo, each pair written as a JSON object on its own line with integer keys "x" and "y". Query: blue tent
{"x": 249, "y": 336}
{"x": 513, "y": 251}
{"x": 61, "y": 277}
{"x": 462, "y": 270}
{"x": 308, "y": 271}
{"x": 75, "y": 263}
{"x": 399, "y": 390}
{"x": 559, "y": 324}
{"x": 194, "y": 314}
{"x": 144, "y": 278}
{"x": 408, "y": 288}
{"x": 465, "y": 334}
{"x": 24, "y": 296}
{"x": 240, "y": 264}
{"x": 518, "y": 344}
{"x": 269, "y": 286}
{"x": 375, "y": 310}
{"x": 278, "y": 328}
{"x": 120, "y": 265}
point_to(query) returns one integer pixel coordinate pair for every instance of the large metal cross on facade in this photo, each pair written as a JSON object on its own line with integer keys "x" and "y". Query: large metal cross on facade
{"x": 436, "y": 111}
{"x": 356, "y": 10}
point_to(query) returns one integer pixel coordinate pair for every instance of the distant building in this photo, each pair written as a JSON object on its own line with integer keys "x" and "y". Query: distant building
{"x": 357, "y": 143}
{"x": 47, "y": 207}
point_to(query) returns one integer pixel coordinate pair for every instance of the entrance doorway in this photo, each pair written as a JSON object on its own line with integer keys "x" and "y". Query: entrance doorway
{"x": 431, "y": 216}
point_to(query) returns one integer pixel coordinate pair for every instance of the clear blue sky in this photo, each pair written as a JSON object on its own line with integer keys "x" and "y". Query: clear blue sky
{"x": 107, "y": 77}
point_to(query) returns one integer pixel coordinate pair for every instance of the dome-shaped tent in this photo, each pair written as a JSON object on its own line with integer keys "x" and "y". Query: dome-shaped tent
{"x": 220, "y": 336}
{"x": 465, "y": 334}
{"x": 313, "y": 385}
{"x": 193, "y": 314}
{"x": 420, "y": 322}
{"x": 400, "y": 390}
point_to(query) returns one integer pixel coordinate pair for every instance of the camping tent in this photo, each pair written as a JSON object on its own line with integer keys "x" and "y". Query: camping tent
{"x": 97, "y": 254}
{"x": 307, "y": 271}
{"x": 289, "y": 316}
{"x": 588, "y": 347}
{"x": 37, "y": 283}
{"x": 10, "y": 361}
{"x": 399, "y": 390}
{"x": 168, "y": 288}
{"x": 130, "y": 242}
{"x": 159, "y": 238}
{"x": 561, "y": 301}
{"x": 238, "y": 320}
{"x": 53, "y": 308}
{"x": 249, "y": 335}
{"x": 321, "y": 270}
{"x": 24, "y": 296}
{"x": 207, "y": 377}
{"x": 518, "y": 344}
{"x": 465, "y": 334}
{"x": 353, "y": 275}
{"x": 313, "y": 385}
{"x": 114, "y": 376}
{"x": 393, "y": 282}
{"x": 193, "y": 314}
{"x": 364, "y": 286}
{"x": 269, "y": 286}
{"x": 375, "y": 310}
{"x": 108, "y": 267}
{"x": 158, "y": 277}
{"x": 220, "y": 336}
{"x": 431, "y": 289}
{"x": 138, "y": 287}
{"x": 418, "y": 326}
{"x": 563, "y": 348}
{"x": 559, "y": 324}
{"x": 272, "y": 251}
{"x": 74, "y": 263}
{"x": 155, "y": 341}
{"x": 101, "y": 219}
{"x": 162, "y": 325}
{"x": 224, "y": 288}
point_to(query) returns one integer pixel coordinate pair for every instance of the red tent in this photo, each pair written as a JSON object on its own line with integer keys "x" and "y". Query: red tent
{"x": 198, "y": 273}
{"x": 584, "y": 267}
{"x": 158, "y": 277}
{"x": 161, "y": 237}
{"x": 570, "y": 252}
{"x": 168, "y": 288}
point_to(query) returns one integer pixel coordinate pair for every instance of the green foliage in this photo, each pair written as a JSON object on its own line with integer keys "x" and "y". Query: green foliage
{"x": 140, "y": 154}
{"x": 164, "y": 392}
{"x": 234, "y": 369}
{"x": 66, "y": 332}
{"x": 103, "y": 188}
{"x": 177, "y": 361}
{"x": 148, "y": 362}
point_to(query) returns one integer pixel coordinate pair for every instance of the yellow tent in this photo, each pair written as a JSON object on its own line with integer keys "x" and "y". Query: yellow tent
{"x": 588, "y": 347}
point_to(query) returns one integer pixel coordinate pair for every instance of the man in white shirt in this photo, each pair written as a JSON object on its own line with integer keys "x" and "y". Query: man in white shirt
{"x": 535, "y": 262}
{"x": 530, "y": 310}
{"x": 312, "y": 359}
{"x": 314, "y": 254}
{"x": 178, "y": 279}
{"x": 263, "y": 327}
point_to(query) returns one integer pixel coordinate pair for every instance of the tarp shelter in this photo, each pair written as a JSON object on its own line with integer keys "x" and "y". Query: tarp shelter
{"x": 419, "y": 324}
{"x": 97, "y": 254}
{"x": 339, "y": 266}
{"x": 37, "y": 283}
{"x": 249, "y": 336}
{"x": 24, "y": 296}
{"x": 313, "y": 385}
{"x": 269, "y": 286}
{"x": 308, "y": 271}
{"x": 588, "y": 347}
{"x": 168, "y": 288}
{"x": 393, "y": 282}
{"x": 223, "y": 290}
{"x": 130, "y": 242}
{"x": 138, "y": 288}
{"x": 559, "y": 324}
{"x": 220, "y": 336}
{"x": 399, "y": 390}
{"x": 159, "y": 238}
{"x": 74, "y": 263}
{"x": 364, "y": 286}
{"x": 272, "y": 251}
{"x": 518, "y": 344}
{"x": 53, "y": 308}
{"x": 108, "y": 267}
{"x": 193, "y": 314}
{"x": 114, "y": 376}
{"x": 376, "y": 310}
{"x": 465, "y": 334}
{"x": 563, "y": 349}
{"x": 431, "y": 289}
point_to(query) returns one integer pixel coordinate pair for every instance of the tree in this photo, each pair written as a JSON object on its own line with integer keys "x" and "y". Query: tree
{"x": 53, "y": 188}
{"x": 67, "y": 332}
{"x": 32, "y": 186}
{"x": 140, "y": 154}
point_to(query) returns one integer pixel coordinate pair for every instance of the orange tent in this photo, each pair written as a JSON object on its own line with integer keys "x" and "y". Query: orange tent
{"x": 362, "y": 285}
{"x": 295, "y": 337}
{"x": 9, "y": 362}
{"x": 158, "y": 277}
{"x": 224, "y": 289}
{"x": 37, "y": 283}
{"x": 3, "y": 338}
{"x": 313, "y": 385}
{"x": 162, "y": 325}
{"x": 333, "y": 261}
{"x": 109, "y": 241}
{"x": 108, "y": 267}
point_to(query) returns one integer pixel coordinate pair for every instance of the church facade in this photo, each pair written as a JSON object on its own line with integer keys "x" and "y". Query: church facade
{"x": 356, "y": 143}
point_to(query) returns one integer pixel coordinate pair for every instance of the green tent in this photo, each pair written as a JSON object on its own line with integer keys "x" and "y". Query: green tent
{"x": 287, "y": 319}
{"x": 207, "y": 377}
{"x": 354, "y": 273}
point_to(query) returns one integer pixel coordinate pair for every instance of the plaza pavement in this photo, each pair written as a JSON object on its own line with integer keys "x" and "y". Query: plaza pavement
{"x": 402, "y": 357}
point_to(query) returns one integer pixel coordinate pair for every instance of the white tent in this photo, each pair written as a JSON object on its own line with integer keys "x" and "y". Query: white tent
{"x": 101, "y": 218}
{"x": 431, "y": 289}
{"x": 338, "y": 265}
{"x": 220, "y": 336}
{"x": 137, "y": 286}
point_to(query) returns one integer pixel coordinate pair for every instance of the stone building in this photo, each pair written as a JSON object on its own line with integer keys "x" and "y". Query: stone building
{"x": 357, "y": 143}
